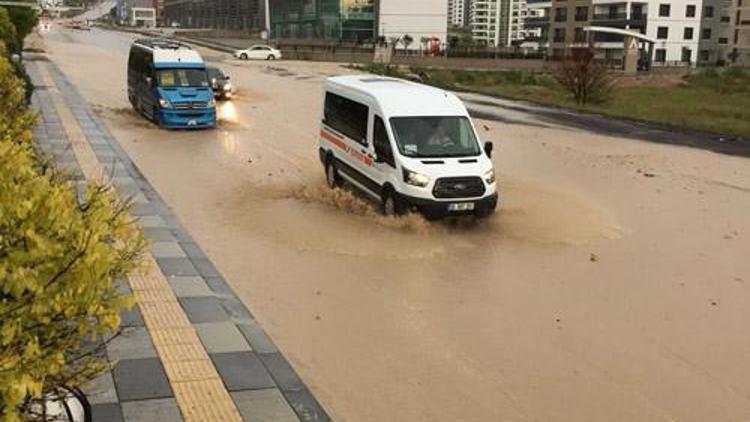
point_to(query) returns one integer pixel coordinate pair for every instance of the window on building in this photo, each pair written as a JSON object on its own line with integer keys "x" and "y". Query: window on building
{"x": 723, "y": 40}
{"x": 708, "y": 12}
{"x": 705, "y": 55}
{"x": 559, "y": 35}
{"x": 664, "y": 10}
{"x": 706, "y": 34}
{"x": 688, "y": 35}
{"x": 660, "y": 55}
{"x": 582, "y": 14}
{"x": 686, "y": 55}
{"x": 725, "y": 19}
{"x": 580, "y": 35}
{"x": 662, "y": 32}
{"x": 561, "y": 14}
{"x": 690, "y": 11}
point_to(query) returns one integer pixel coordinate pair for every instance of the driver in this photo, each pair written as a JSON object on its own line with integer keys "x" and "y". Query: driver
{"x": 440, "y": 137}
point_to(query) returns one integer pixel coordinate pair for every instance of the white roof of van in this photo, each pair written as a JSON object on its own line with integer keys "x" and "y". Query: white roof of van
{"x": 177, "y": 55}
{"x": 398, "y": 97}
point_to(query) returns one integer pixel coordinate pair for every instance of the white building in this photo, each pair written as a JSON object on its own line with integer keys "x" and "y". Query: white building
{"x": 458, "y": 13}
{"x": 674, "y": 24}
{"x": 497, "y": 22}
{"x": 420, "y": 19}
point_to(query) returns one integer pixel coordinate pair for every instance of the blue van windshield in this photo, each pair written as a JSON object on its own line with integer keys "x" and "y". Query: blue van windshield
{"x": 174, "y": 78}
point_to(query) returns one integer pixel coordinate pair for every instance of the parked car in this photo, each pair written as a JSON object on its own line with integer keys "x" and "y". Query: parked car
{"x": 258, "y": 52}
{"x": 219, "y": 83}
{"x": 409, "y": 146}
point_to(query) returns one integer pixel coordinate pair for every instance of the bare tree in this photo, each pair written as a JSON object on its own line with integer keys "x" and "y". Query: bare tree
{"x": 586, "y": 78}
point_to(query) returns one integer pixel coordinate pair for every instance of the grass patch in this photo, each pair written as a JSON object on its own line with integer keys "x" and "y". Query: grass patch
{"x": 712, "y": 100}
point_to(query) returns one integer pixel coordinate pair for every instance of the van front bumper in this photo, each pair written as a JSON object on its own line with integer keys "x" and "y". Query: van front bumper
{"x": 189, "y": 119}
{"x": 440, "y": 209}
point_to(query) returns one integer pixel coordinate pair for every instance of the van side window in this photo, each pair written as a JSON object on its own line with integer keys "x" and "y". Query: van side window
{"x": 346, "y": 116}
{"x": 382, "y": 143}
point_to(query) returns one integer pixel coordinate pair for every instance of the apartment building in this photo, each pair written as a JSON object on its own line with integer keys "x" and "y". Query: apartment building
{"x": 725, "y": 33}
{"x": 675, "y": 25}
{"x": 491, "y": 22}
{"x": 458, "y": 13}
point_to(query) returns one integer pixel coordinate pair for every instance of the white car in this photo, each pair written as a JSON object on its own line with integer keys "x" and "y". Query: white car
{"x": 258, "y": 52}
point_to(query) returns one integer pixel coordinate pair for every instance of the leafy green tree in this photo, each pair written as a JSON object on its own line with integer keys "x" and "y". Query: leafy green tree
{"x": 8, "y": 33}
{"x": 24, "y": 19}
{"x": 60, "y": 259}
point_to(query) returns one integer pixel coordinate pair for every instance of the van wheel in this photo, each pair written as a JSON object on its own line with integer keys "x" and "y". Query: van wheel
{"x": 243, "y": 56}
{"x": 332, "y": 174}
{"x": 155, "y": 116}
{"x": 390, "y": 204}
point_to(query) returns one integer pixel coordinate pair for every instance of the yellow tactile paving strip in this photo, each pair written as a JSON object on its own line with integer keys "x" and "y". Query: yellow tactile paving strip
{"x": 198, "y": 390}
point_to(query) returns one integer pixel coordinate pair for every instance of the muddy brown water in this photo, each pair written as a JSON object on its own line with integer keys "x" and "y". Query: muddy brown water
{"x": 595, "y": 293}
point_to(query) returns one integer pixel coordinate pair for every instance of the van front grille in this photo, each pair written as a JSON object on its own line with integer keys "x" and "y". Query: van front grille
{"x": 458, "y": 187}
{"x": 187, "y": 105}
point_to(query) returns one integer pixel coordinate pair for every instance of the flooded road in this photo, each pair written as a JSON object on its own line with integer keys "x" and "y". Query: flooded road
{"x": 613, "y": 284}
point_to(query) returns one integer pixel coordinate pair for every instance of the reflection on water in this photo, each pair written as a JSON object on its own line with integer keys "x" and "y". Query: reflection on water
{"x": 229, "y": 141}
{"x": 227, "y": 112}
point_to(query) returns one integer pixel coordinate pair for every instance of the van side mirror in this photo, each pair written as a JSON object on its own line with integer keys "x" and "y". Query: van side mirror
{"x": 488, "y": 147}
{"x": 226, "y": 77}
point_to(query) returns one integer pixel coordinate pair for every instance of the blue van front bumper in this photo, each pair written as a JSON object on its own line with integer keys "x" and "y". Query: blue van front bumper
{"x": 188, "y": 119}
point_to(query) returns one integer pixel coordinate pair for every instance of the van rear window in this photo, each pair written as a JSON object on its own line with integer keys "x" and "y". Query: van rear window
{"x": 346, "y": 116}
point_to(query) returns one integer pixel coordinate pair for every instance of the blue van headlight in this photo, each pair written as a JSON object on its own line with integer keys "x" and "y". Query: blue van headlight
{"x": 164, "y": 103}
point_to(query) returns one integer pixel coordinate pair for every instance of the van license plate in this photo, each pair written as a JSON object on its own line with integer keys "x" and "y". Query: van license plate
{"x": 192, "y": 122}
{"x": 461, "y": 206}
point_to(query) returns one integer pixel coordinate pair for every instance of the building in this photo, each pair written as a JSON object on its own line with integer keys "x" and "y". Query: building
{"x": 359, "y": 20}
{"x": 136, "y": 13}
{"x": 725, "y": 33}
{"x": 675, "y": 25}
{"x": 458, "y": 13}
{"x": 489, "y": 22}
{"x": 420, "y": 19}
{"x": 230, "y": 15}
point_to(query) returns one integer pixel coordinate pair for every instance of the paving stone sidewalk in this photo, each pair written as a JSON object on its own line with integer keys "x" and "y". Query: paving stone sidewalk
{"x": 261, "y": 382}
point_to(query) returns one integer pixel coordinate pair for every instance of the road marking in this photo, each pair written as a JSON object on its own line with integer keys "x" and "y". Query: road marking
{"x": 198, "y": 390}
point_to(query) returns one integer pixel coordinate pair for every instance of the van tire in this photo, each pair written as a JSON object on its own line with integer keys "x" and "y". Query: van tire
{"x": 390, "y": 204}
{"x": 333, "y": 180}
{"x": 243, "y": 56}
{"x": 155, "y": 116}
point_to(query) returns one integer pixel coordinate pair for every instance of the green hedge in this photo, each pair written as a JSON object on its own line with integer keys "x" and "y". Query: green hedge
{"x": 60, "y": 258}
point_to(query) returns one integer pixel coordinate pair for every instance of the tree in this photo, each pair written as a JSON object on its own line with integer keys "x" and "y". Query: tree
{"x": 407, "y": 40}
{"x": 8, "y": 33}
{"x": 24, "y": 19}
{"x": 60, "y": 259}
{"x": 585, "y": 78}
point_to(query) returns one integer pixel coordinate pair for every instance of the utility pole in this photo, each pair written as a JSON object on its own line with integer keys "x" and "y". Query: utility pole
{"x": 267, "y": 7}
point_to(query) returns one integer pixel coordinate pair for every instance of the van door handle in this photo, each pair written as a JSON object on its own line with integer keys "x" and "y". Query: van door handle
{"x": 363, "y": 151}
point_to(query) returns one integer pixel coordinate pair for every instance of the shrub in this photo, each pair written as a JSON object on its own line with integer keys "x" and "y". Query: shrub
{"x": 60, "y": 257}
{"x": 585, "y": 78}
{"x": 24, "y": 19}
{"x": 8, "y": 33}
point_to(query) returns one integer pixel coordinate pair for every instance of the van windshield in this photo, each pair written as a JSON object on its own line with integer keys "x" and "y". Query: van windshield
{"x": 435, "y": 136}
{"x": 174, "y": 78}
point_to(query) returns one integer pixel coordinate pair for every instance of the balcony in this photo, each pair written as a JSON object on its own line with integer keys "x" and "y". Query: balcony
{"x": 618, "y": 19}
{"x": 536, "y": 21}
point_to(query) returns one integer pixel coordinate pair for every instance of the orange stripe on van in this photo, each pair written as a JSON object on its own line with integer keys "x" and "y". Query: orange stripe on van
{"x": 341, "y": 144}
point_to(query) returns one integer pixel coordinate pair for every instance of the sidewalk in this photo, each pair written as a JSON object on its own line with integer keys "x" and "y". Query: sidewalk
{"x": 190, "y": 350}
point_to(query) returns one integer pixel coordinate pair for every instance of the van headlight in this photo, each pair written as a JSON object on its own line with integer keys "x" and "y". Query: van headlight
{"x": 163, "y": 103}
{"x": 415, "y": 179}
{"x": 489, "y": 177}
